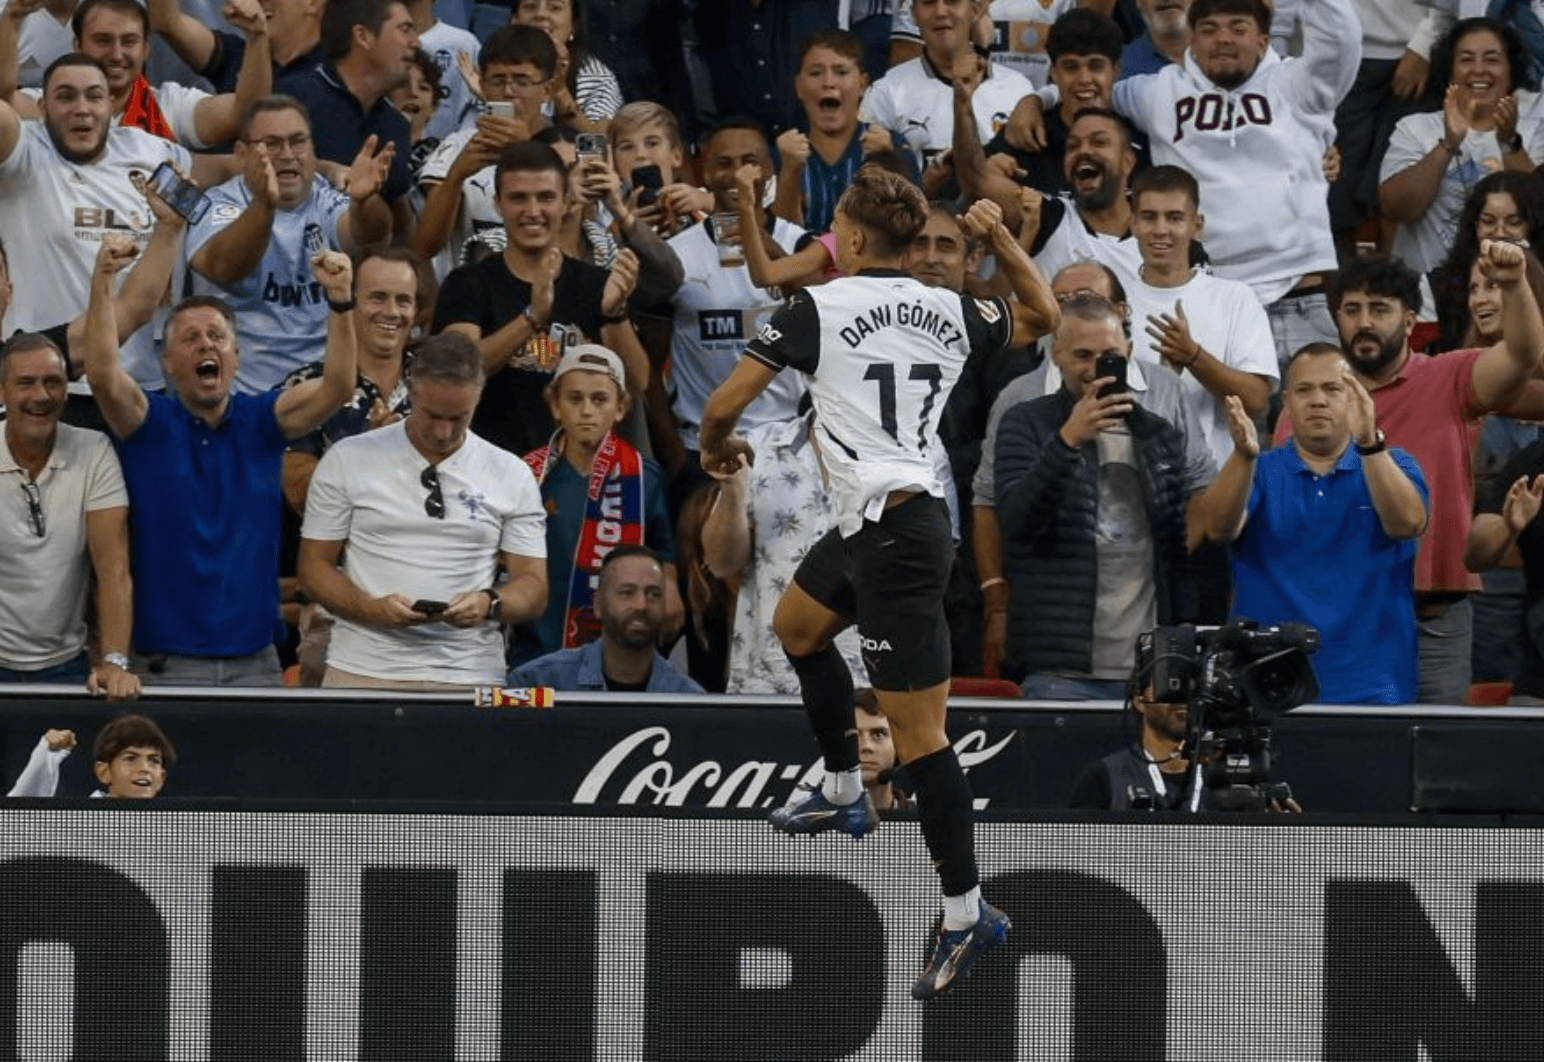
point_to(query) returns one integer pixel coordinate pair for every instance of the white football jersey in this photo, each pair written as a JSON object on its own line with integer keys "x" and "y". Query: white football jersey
{"x": 883, "y": 351}
{"x": 917, "y": 102}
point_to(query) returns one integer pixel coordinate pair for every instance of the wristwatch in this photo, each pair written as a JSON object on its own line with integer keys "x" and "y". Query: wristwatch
{"x": 117, "y": 660}
{"x": 495, "y": 606}
{"x": 1379, "y": 443}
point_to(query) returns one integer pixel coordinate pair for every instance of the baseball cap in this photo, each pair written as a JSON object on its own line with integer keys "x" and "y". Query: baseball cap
{"x": 592, "y": 357}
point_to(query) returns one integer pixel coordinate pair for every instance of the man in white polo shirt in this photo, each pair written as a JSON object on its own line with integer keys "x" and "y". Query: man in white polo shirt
{"x": 432, "y": 516}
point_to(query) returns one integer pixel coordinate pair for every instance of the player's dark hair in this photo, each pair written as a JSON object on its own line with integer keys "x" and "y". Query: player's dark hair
{"x": 123, "y": 7}
{"x": 832, "y": 39}
{"x": 1379, "y": 273}
{"x": 529, "y": 156}
{"x": 1255, "y": 9}
{"x": 339, "y": 17}
{"x": 448, "y": 358}
{"x": 132, "y": 731}
{"x": 519, "y": 44}
{"x": 1083, "y": 31}
{"x": 1165, "y": 179}
{"x": 22, "y": 342}
{"x": 890, "y": 209}
{"x": 1445, "y": 55}
{"x": 272, "y": 105}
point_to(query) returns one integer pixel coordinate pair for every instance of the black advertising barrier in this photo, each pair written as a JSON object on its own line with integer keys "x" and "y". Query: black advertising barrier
{"x": 141, "y": 933}
{"x": 729, "y": 752}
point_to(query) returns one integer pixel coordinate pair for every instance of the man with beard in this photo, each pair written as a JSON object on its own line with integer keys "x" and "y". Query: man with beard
{"x": 254, "y": 246}
{"x": 630, "y": 604}
{"x": 202, "y": 466}
{"x": 1329, "y": 536}
{"x": 1092, "y": 219}
{"x": 1425, "y": 405}
{"x": 1163, "y": 41}
{"x": 65, "y": 183}
{"x": 116, "y": 33}
{"x": 66, "y": 520}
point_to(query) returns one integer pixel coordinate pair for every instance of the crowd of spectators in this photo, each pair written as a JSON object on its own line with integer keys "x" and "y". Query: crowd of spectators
{"x": 367, "y": 342}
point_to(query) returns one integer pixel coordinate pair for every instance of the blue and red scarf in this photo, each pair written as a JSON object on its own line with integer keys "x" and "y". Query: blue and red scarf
{"x": 613, "y": 517}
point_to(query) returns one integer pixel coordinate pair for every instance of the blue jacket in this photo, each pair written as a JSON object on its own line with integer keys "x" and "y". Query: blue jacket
{"x": 579, "y": 670}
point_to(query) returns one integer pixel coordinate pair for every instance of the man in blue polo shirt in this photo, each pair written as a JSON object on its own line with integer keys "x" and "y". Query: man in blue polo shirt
{"x": 202, "y": 469}
{"x": 1329, "y": 536}
{"x": 345, "y": 95}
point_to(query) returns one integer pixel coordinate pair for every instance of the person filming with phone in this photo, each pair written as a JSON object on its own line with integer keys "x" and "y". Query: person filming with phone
{"x": 1100, "y": 503}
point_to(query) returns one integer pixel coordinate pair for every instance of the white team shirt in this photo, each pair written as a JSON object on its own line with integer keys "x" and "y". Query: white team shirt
{"x": 882, "y": 351}
{"x": 1228, "y": 321}
{"x": 456, "y": 104}
{"x": 366, "y": 492}
{"x": 1425, "y": 242}
{"x": 478, "y": 213}
{"x": 53, "y": 215}
{"x": 281, "y": 309}
{"x": 916, "y": 101}
{"x": 1019, "y": 29}
{"x": 1256, "y": 150}
{"x": 1073, "y": 241}
{"x": 717, "y": 311}
{"x": 43, "y": 39}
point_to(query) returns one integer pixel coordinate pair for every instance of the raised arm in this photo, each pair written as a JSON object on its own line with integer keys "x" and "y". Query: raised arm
{"x": 234, "y": 253}
{"x": 979, "y": 178}
{"x": 218, "y": 118}
{"x": 500, "y": 348}
{"x": 193, "y": 41}
{"x": 368, "y": 220}
{"x": 1501, "y": 373}
{"x": 1035, "y": 311}
{"x": 304, "y": 406}
{"x": 442, "y": 204}
{"x": 1395, "y": 497}
{"x": 766, "y": 271}
{"x": 1171, "y": 338}
{"x": 122, "y": 403}
{"x": 1332, "y": 50}
{"x": 1405, "y": 195}
{"x": 1216, "y": 514}
{"x": 15, "y": 13}
{"x": 720, "y": 451}
{"x": 1493, "y": 534}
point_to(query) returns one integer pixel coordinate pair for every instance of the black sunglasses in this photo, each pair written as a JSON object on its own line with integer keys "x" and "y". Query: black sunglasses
{"x": 434, "y": 504}
{"x": 34, "y": 507}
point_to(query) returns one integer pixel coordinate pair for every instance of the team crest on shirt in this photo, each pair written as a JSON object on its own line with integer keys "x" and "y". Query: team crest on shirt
{"x": 988, "y": 310}
{"x": 226, "y": 213}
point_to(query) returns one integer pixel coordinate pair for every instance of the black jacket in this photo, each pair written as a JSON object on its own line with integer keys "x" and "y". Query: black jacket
{"x": 1048, "y": 507}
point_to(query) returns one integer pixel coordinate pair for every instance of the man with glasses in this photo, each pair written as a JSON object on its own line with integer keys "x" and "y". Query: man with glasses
{"x": 63, "y": 517}
{"x": 445, "y": 535}
{"x": 202, "y": 466}
{"x": 254, "y": 246}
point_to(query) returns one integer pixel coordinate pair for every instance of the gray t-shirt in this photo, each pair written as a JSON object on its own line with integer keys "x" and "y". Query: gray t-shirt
{"x": 1125, "y": 602}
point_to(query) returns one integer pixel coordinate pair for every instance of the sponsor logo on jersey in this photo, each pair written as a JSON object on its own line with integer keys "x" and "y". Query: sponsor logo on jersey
{"x": 871, "y": 645}
{"x": 768, "y": 334}
{"x": 719, "y": 325}
{"x": 988, "y": 310}
{"x": 225, "y": 213}
{"x": 297, "y": 294}
{"x": 1215, "y": 112}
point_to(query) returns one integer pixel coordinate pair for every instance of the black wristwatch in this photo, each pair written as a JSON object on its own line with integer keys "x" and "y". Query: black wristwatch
{"x": 1516, "y": 143}
{"x": 1379, "y": 443}
{"x": 495, "y": 606}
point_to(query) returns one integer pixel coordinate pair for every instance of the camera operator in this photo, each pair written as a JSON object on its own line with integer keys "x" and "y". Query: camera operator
{"x": 1152, "y": 773}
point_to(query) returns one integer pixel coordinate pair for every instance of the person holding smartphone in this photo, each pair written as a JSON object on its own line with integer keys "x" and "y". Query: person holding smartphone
{"x": 1100, "y": 502}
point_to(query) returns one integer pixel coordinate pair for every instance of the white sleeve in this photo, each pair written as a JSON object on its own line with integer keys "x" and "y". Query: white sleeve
{"x": 1433, "y": 28}
{"x": 525, "y": 525}
{"x": 1332, "y": 51}
{"x": 876, "y": 107}
{"x": 180, "y": 103}
{"x": 437, "y": 165}
{"x": 1128, "y": 95}
{"x": 329, "y": 511}
{"x": 40, "y": 778}
{"x": 1251, "y": 347}
{"x": 1408, "y": 144}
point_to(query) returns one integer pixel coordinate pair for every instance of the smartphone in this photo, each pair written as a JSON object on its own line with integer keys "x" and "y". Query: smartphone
{"x": 590, "y": 146}
{"x": 182, "y": 196}
{"x": 650, "y": 181}
{"x": 502, "y": 108}
{"x": 1112, "y": 365}
{"x": 430, "y": 608}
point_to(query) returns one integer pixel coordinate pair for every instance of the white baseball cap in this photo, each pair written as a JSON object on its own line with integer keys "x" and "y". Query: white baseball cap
{"x": 592, "y": 357}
